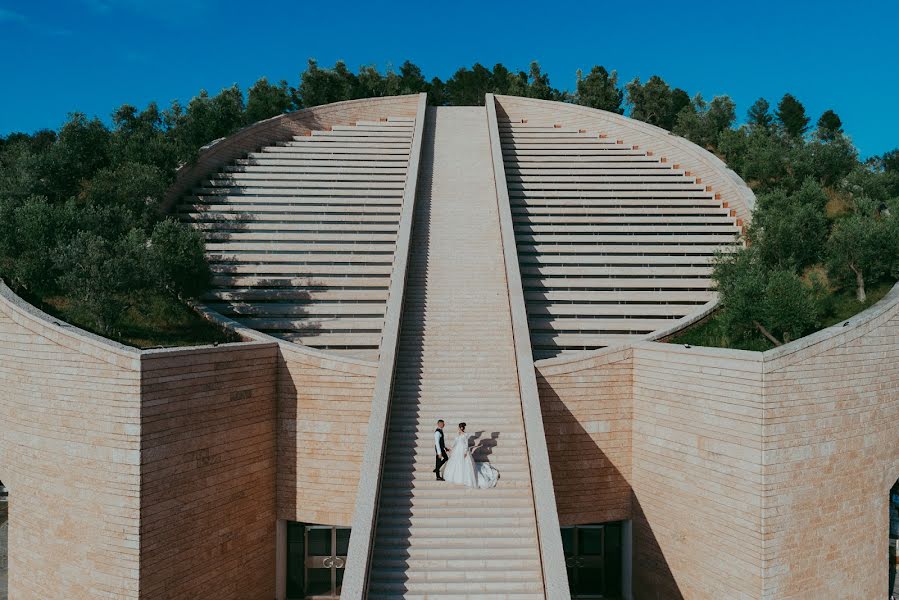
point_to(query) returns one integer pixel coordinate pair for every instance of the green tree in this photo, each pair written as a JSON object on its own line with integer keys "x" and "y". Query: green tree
{"x": 508, "y": 83}
{"x": 102, "y": 278}
{"x": 468, "y": 87}
{"x": 29, "y": 236}
{"x": 266, "y": 100}
{"x": 863, "y": 247}
{"x": 206, "y": 119}
{"x": 759, "y": 115}
{"x": 830, "y": 126}
{"x": 655, "y": 102}
{"x": 703, "y": 122}
{"x": 80, "y": 151}
{"x": 411, "y": 80}
{"x": 538, "y": 84}
{"x": 828, "y": 162}
{"x": 789, "y": 231}
{"x": 791, "y": 116}
{"x": 176, "y": 261}
{"x": 756, "y": 299}
{"x": 599, "y": 89}
{"x": 135, "y": 188}
{"x": 323, "y": 86}
{"x": 141, "y": 137}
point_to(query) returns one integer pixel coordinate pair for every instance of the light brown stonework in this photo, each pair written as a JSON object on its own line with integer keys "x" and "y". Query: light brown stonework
{"x": 323, "y": 410}
{"x": 208, "y": 472}
{"x": 587, "y": 413}
{"x": 161, "y": 474}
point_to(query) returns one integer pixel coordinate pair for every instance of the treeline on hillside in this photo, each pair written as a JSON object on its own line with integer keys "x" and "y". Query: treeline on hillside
{"x": 79, "y": 217}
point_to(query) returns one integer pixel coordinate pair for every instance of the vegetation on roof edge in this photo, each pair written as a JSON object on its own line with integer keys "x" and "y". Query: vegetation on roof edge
{"x": 82, "y": 236}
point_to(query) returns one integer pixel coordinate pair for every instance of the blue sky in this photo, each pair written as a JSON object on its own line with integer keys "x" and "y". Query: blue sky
{"x": 94, "y": 55}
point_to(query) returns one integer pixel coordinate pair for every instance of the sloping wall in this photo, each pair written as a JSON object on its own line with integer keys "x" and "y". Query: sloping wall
{"x": 207, "y": 489}
{"x": 831, "y": 455}
{"x": 324, "y": 403}
{"x": 587, "y": 408}
{"x": 697, "y": 474}
{"x": 70, "y": 456}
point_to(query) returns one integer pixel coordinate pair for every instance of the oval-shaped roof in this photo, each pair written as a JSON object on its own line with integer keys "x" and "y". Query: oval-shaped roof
{"x": 616, "y": 222}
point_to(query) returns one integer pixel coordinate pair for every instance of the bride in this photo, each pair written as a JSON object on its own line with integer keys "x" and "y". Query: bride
{"x": 461, "y": 467}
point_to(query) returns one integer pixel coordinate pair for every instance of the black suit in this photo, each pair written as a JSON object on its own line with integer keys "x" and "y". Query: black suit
{"x": 442, "y": 457}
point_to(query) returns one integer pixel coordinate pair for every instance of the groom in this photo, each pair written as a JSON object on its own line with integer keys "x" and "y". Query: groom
{"x": 440, "y": 448}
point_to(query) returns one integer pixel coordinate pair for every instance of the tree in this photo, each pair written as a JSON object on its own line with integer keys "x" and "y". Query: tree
{"x": 80, "y": 151}
{"x": 863, "y": 247}
{"x": 830, "y": 126}
{"x": 323, "y": 86}
{"x": 704, "y": 122}
{"x": 655, "y": 102}
{"x": 791, "y": 116}
{"x": 29, "y": 237}
{"x": 141, "y": 137}
{"x": 266, "y": 100}
{"x": 766, "y": 163}
{"x": 468, "y": 87}
{"x": 828, "y": 162}
{"x": 759, "y": 115}
{"x": 508, "y": 83}
{"x": 207, "y": 119}
{"x": 538, "y": 84}
{"x": 411, "y": 80}
{"x": 599, "y": 89}
{"x": 756, "y": 299}
{"x": 103, "y": 278}
{"x": 176, "y": 261}
{"x": 136, "y": 188}
{"x": 789, "y": 231}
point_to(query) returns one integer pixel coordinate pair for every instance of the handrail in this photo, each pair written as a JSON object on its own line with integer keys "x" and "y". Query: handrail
{"x": 552, "y": 556}
{"x": 355, "y": 577}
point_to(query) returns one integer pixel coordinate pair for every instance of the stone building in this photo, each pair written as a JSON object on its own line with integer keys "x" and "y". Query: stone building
{"x": 514, "y": 266}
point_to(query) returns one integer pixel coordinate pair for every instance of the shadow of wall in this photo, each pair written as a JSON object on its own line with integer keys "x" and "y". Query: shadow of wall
{"x": 208, "y": 473}
{"x": 587, "y": 410}
{"x": 324, "y": 403}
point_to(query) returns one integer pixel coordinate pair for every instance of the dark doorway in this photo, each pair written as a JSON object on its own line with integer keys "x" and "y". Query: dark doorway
{"x": 894, "y": 537}
{"x": 316, "y": 559}
{"x": 593, "y": 558}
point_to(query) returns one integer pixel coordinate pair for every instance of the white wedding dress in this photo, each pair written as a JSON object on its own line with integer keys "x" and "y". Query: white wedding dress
{"x": 461, "y": 467}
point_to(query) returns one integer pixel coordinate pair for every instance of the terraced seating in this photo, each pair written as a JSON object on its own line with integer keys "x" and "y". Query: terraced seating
{"x": 613, "y": 242}
{"x": 301, "y": 234}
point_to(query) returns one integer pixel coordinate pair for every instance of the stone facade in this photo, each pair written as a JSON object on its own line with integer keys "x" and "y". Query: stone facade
{"x": 163, "y": 473}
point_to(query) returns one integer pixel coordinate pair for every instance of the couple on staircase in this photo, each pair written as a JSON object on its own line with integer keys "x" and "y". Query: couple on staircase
{"x": 460, "y": 465}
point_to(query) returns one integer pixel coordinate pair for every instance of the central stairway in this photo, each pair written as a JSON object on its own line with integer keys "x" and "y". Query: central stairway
{"x": 456, "y": 361}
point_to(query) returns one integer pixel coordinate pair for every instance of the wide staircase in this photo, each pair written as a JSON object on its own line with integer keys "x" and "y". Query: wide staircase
{"x": 456, "y": 361}
{"x": 300, "y": 235}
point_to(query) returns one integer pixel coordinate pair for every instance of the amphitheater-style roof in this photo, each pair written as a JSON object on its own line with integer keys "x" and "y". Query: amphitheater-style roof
{"x": 615, "y": 221}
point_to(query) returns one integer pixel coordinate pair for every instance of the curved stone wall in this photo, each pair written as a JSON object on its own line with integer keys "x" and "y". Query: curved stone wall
{"x": 747, "y": 474}
{"x": 70, "y": 456}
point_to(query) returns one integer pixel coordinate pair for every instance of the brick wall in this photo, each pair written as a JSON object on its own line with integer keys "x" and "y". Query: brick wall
{"x": 70, "y": 456}
{"x": 208, "y": 473}
{"x": 831, "y": 455}
{"x": 587, "y": 406}
{"x": 323, "y": 412}
{"x": 697, "y": 472}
